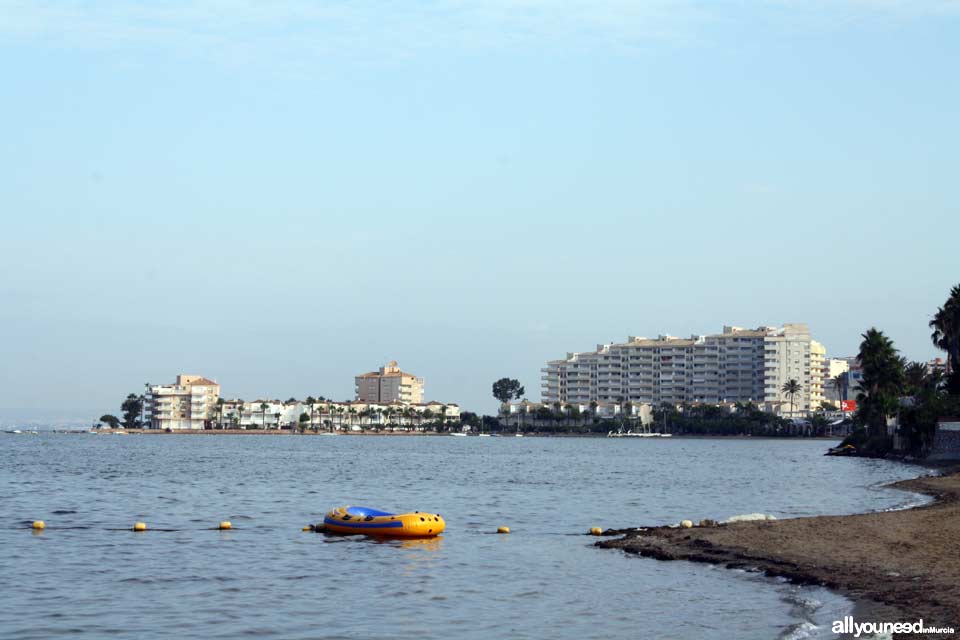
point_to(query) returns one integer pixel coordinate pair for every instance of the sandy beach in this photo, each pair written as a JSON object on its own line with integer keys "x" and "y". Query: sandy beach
{"x": 906, "y": 560}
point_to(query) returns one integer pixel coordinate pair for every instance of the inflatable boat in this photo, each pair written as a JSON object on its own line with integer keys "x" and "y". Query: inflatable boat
{"x": 371, "y": 522}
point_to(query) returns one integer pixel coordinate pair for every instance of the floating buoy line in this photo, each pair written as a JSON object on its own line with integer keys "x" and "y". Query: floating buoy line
{"x": 332, "y": 524}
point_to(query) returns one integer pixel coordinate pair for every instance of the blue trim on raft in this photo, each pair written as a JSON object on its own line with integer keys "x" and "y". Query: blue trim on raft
{"x": 367, "y": 511}
{"x": 350, "y": 524}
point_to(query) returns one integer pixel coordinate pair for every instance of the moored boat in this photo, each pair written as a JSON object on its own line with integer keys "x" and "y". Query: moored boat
{"x": 632, "y": 434}
{"x": 372, "y": 522}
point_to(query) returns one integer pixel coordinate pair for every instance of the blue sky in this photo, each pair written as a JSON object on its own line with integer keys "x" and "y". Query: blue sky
{"x": 281, "y": 195}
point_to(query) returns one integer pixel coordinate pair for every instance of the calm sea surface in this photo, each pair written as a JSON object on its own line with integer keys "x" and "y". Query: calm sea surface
{"x": 86, "y": 575}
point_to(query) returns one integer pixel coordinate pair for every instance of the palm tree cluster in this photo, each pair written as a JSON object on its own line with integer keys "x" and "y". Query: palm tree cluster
{"x": 916, "y": 393}
{"x": 946, "y": 336}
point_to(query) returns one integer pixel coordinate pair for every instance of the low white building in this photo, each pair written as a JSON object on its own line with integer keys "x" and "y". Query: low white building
{"x": 332, "y": 416}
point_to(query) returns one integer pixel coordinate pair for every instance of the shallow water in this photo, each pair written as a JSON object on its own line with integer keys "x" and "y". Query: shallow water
{"x": 87, "y": 575}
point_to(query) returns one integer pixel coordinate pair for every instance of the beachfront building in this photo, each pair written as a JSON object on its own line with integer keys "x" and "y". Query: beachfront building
{"x": 389, "y": 384}
{"x": 818, "y": 358}
{"x": 189, "y": 403}
{"x": 834, "y": 368}
{"x": 737, "y": 365}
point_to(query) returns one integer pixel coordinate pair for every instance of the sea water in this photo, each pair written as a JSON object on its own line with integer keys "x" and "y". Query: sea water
{"x": 87, "y": 574}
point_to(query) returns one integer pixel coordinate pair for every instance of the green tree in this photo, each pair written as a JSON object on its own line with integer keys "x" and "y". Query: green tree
{"x": 507, "y": 389}
{"x": 882, "y": 381}
{"x": 131, "y": 408}
{"x": 263, "y": 417}
{"x": 304, "y": 421}
{"x": 791, "y": 388}
{"x": 110, "y": 420}
{"x": 220, "y": 402}
{"x": 946, "y": 336}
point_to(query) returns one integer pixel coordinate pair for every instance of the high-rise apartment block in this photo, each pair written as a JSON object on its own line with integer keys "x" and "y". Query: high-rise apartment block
{"x": 738, "y": 365}
{"x": 188, "y": 404}
{"x": 389, "y": 384}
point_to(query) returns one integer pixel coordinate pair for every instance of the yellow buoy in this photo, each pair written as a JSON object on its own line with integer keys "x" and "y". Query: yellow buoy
{"x": 503, "y": 529}
{"x": 306, "y": 528}
{"x": 686, "y": 524}
{"x": 226, "y": 524}
{"x": 39, "y": 525}
{"x": 596, "y": 531}
{"x": 139, "y": 526}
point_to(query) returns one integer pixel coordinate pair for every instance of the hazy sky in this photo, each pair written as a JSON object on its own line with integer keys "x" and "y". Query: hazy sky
{"x": 280, "y": 195}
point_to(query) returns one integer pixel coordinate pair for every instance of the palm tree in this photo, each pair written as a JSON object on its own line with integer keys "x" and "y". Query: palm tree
{"x": 277, "y": 416}
{"x": 882, "y": 381}
{"x": 310, "y": 401}
{"x": 838, "y": 384}
{"x": 915, "y": 377}
{"x": 946, "y": 336}
{"x": 220, "y": 402}
{"x": 263, "y": 418}
{"x": 791, "y": 387}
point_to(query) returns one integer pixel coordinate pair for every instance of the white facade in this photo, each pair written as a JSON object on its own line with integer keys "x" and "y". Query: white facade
{"x": 738, "y": 365}
{"x": 832, "y": 369}
{"x": 332, "y": 416}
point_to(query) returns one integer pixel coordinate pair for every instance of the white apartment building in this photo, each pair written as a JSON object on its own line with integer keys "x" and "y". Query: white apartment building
{"x": 738, "y": 365}
{"x": 190, "y": 403}
{"x": 833, "y": 368}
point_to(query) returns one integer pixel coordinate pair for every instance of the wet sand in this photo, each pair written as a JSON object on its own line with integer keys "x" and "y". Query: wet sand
{"x": 908, "y": 561}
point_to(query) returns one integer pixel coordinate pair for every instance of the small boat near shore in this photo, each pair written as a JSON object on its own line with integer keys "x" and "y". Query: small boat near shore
{"x": 633, "y": 434}
{"x": 845, "y": 450}
{"x": 373, "y": 522}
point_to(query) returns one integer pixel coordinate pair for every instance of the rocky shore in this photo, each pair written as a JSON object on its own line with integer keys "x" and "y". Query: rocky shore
{"x": 906, "y": 560}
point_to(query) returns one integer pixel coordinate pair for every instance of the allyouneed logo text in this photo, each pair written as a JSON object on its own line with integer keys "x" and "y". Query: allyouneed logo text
{"x": 857, "y": 629}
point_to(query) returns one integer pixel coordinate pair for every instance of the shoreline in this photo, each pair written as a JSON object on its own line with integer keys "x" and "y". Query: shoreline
{"x": 535, "y": 434}
{"x": 902, "y": 565}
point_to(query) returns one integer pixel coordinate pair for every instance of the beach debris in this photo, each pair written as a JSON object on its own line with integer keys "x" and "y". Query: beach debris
{"x": 749, "y": 517}
{"x": 686, "y": 524}
{"x": 707, "y": 522}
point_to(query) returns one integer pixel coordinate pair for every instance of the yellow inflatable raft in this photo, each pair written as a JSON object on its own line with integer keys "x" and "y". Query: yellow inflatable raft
{"x": 371, "y": 522}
